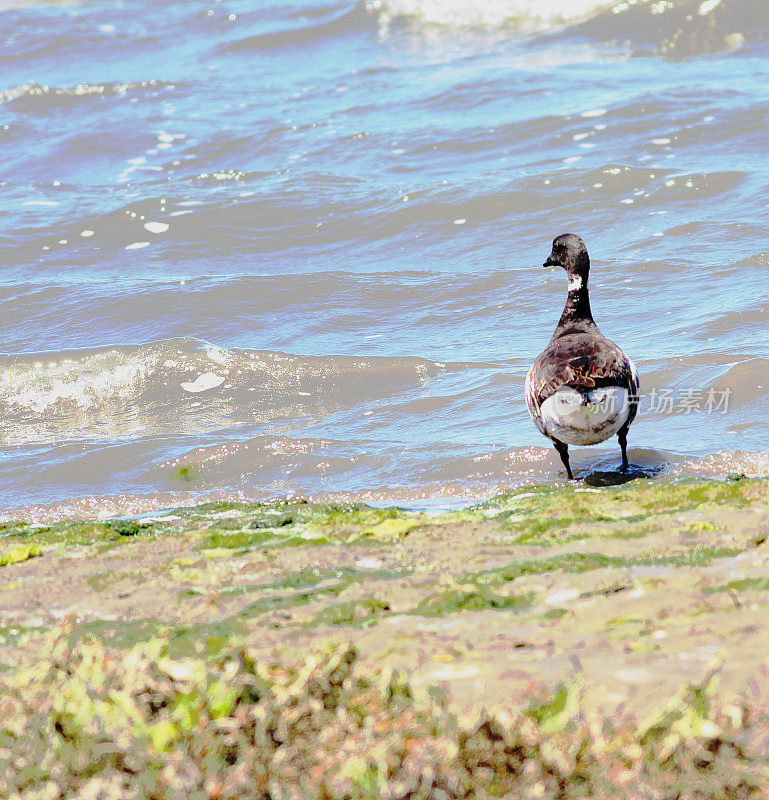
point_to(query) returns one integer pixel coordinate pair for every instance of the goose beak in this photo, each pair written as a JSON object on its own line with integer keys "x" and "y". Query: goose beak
{"x": 549, "y": 262}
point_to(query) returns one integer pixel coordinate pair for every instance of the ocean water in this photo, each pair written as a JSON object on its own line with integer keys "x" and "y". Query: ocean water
{"x": 252, "y": 249}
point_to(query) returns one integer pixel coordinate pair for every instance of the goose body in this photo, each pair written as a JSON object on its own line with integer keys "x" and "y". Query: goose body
{"x": 581, "y": 389}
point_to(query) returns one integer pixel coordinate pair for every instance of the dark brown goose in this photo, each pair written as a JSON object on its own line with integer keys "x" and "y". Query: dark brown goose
{"x": 582, "y": 388}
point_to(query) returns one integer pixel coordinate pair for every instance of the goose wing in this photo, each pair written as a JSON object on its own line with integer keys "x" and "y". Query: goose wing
{"x": 580, "y": 362}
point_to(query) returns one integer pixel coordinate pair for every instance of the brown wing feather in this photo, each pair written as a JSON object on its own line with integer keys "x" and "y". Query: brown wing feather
{"x": 582, "y": 362}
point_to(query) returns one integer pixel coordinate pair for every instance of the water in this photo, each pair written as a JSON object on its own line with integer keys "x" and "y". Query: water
{"x": 252, "y": 250}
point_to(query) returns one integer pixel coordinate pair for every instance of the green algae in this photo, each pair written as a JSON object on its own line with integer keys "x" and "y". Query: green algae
{"x": 693, "y": 557}
{"x": 180, "y": 641}
{"x": 15, "y": 529}
{"x": 189, "y": 473}
{"x": 744, "y": 585}
{"x": 308, "y": 577}
{"x": 293, "y": 591}
{"x": 206, "y": 639}
{"x": 102, "y": 581}
{"x": 71, "y": 533}
{"x": 554, "y": 711}
{"x": 126, "y": 527}
{"x": 569, "y": 562}
{"x": 226, "y": 530}
{"x": 303, "y": 589}
{"x": 298, "y": 588}
{"x": 285, "y": 602}
{"x": 557, "y": 613}
{"x": 389, "y": 529}
{"x": 353, "y": 523}
{"x": 222, "y": 543}
{"x": 536, "y": 515}
{"x": 351, "y": 612}
{"x": 585, "y": 562}
{"x": 120, "y": 633}
{"x": 348, "y": 575}
{"x": 458, "y": 598}
{"x": 607, "y": 591}
{"x": 231, "y": 528}
{"x": 332, "y": 522}
{"x": 15, "y": 555}
{"x": 542, "y": 516}
{"x": 637, "y": 529}
{"x": 687, "y": 495}
{"x": 85, "y": 533}
{"x": 12, "y": 635}
{"x": 274, "y": 521}
{"x": 154, "y": 721}
{"x": 217, "y": 507}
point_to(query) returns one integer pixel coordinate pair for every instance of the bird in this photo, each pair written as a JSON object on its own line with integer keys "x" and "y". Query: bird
{"x": 581, "y": 389}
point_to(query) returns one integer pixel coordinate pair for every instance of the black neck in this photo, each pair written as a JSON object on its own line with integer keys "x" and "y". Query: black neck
{"x": 577, "y": 308}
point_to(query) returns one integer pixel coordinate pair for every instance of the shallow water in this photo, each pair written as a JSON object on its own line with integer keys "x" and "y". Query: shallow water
{"x": 251, "y": 249}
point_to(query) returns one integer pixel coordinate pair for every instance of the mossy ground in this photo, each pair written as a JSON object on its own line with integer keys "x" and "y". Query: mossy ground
{"x": 620, "y": 594}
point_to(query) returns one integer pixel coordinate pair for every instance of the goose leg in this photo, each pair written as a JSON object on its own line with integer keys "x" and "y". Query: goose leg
{"x": 563, "y": 452}
{"x": 622, "y": 437}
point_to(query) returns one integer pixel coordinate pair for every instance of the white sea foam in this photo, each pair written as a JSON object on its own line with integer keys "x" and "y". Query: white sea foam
{"x": 752, "y": 464}
{"x": 85, "y": 383}
{"x": 530, "y": 15}
{"x": 156, "y": 227}
{"x": 92, "y": 382}
{"x": 209, "y": 380}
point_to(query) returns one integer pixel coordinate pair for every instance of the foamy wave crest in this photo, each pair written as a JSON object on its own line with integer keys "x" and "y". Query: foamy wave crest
{"x": 528, "y": 15}
{"x": 85, "y": 382}
{"x": 673, "y": 28}
{"x": 34, "y": 97}
{"x": 184, "y": 385}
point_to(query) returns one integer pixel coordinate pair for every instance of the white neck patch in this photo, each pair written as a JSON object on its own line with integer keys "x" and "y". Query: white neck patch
{"x": 575, "y": 282}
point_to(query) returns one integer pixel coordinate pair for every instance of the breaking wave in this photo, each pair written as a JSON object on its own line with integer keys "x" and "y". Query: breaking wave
{"x": 185, "y": 385}
{"x": 676, "y": 28}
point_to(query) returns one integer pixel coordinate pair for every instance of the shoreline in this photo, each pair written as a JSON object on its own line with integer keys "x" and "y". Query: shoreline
{"x": 593, "y": 467}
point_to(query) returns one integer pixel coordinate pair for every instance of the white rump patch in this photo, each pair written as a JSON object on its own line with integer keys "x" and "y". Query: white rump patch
{"x": 576, "y": 418}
